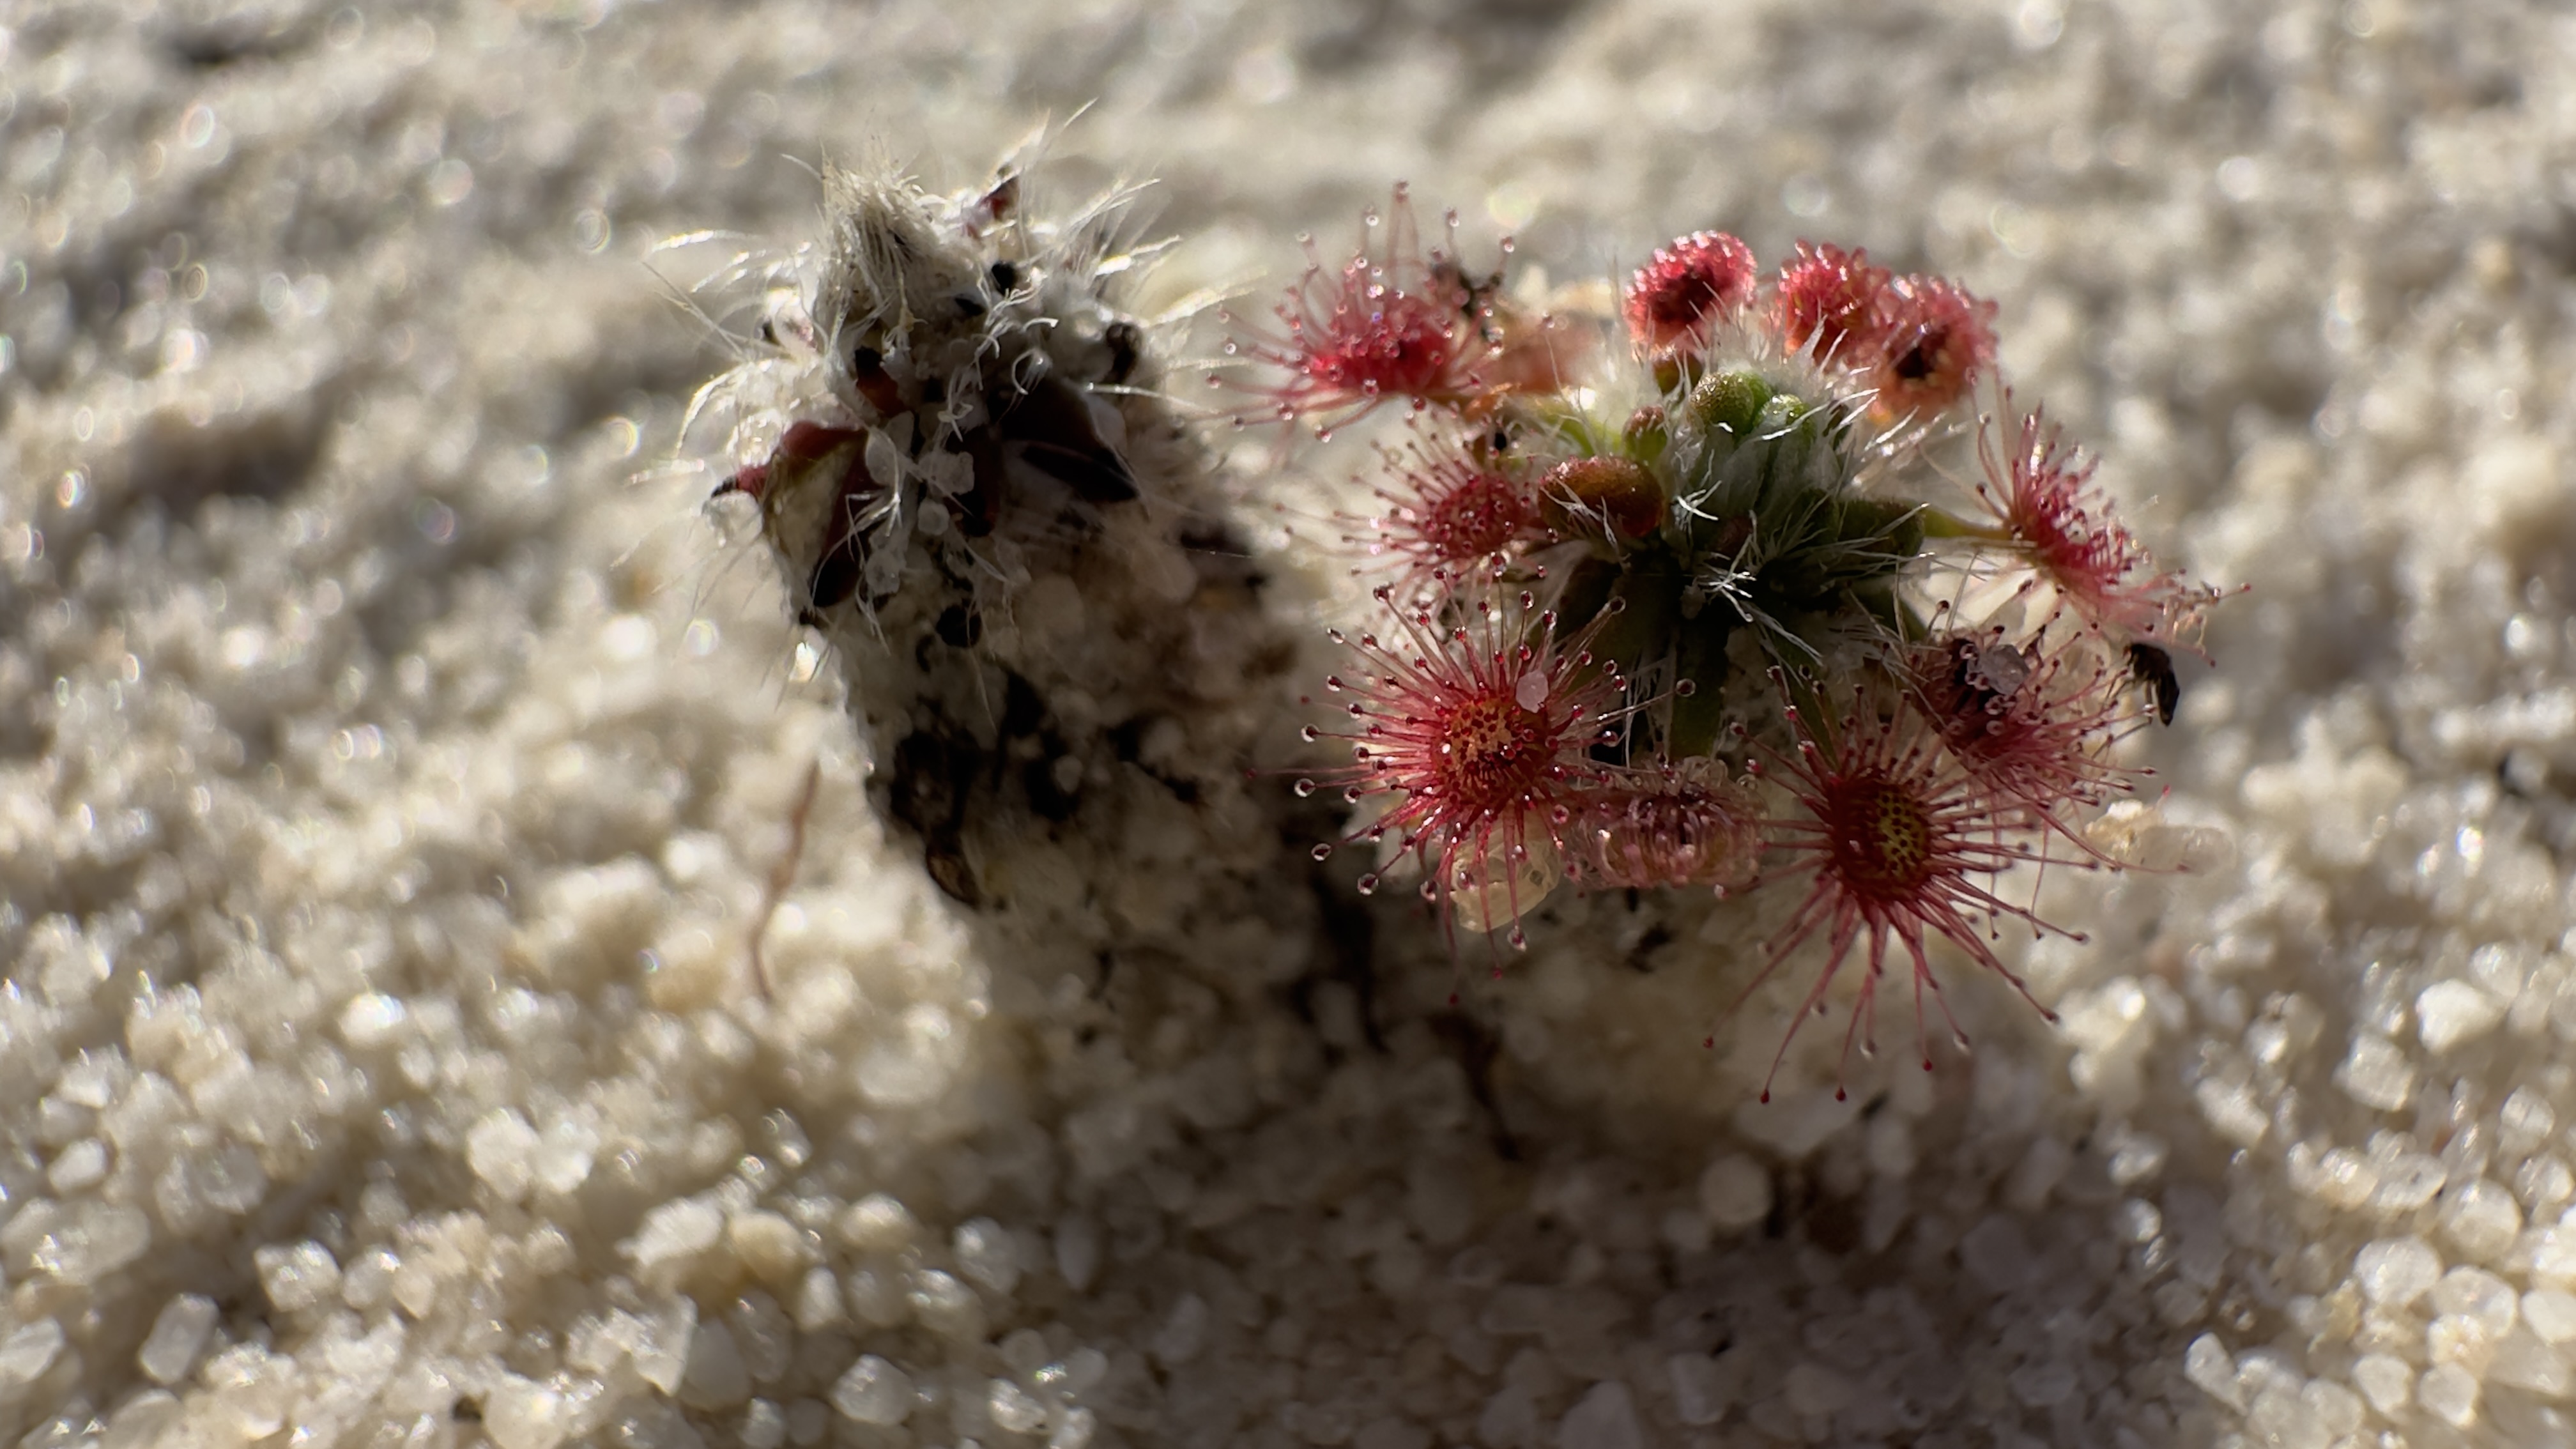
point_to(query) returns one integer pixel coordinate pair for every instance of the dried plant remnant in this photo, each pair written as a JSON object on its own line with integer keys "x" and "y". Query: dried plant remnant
{"x": 947, "y": 424}
{"x": 782, "y": 873}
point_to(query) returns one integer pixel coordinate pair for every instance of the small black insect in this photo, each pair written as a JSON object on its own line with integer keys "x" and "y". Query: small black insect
{"x": 1050, "y": 426}
{"x": 2153, "y": 667}
{"x": 869, "y": 376}
{"x": 1126, "y": 343}
{"x": 929, "y": 788}
{"x": 959, "y": 627}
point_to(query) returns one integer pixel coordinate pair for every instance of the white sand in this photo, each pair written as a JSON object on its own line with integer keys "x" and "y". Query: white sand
{"x": 386, "y": 781}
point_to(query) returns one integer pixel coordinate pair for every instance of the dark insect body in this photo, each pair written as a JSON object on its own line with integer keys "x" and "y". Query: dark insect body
{"x": 2152, "y": 666}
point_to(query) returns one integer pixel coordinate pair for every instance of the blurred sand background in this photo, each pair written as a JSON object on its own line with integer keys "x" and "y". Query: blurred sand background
{"x": 391, "y": 755}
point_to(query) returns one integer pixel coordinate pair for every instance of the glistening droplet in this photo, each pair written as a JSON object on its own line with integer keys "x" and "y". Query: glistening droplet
{"x": 1530, "y": 692}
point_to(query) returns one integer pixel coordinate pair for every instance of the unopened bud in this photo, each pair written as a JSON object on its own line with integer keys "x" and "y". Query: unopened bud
{"x": 1729, "y": 400}
{"x": 1615, "y": 490}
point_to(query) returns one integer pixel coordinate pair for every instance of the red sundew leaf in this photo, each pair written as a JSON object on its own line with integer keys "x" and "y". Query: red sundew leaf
{"x": 1454, "y": 509}
{"x": 1895, "y": 836}
{"x": 1685, "y": 288}
{"x": 1827, "y": 300}
{"x": 2031, "y": 723}
{"x": 1481, "y": 733}
{"x": 1933, "y": 339}
{"x": 1393, "y": 322}
{"x": 1680, "y": 826}
{"x": 2061, "y": 523}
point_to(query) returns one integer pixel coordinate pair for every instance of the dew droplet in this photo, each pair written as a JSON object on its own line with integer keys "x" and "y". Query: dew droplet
{"x": 1530, "y": 692}
{"x": 1309, "y": 734}
{"x": 1322, "y": 852}
{"x": 1367, "y": 884}
{"x": 1305, "y": 787}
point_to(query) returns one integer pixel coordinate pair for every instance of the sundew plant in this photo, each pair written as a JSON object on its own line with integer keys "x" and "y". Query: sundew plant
{"x": 1753, "y": 580}
{"x": 1761, "y": 582}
